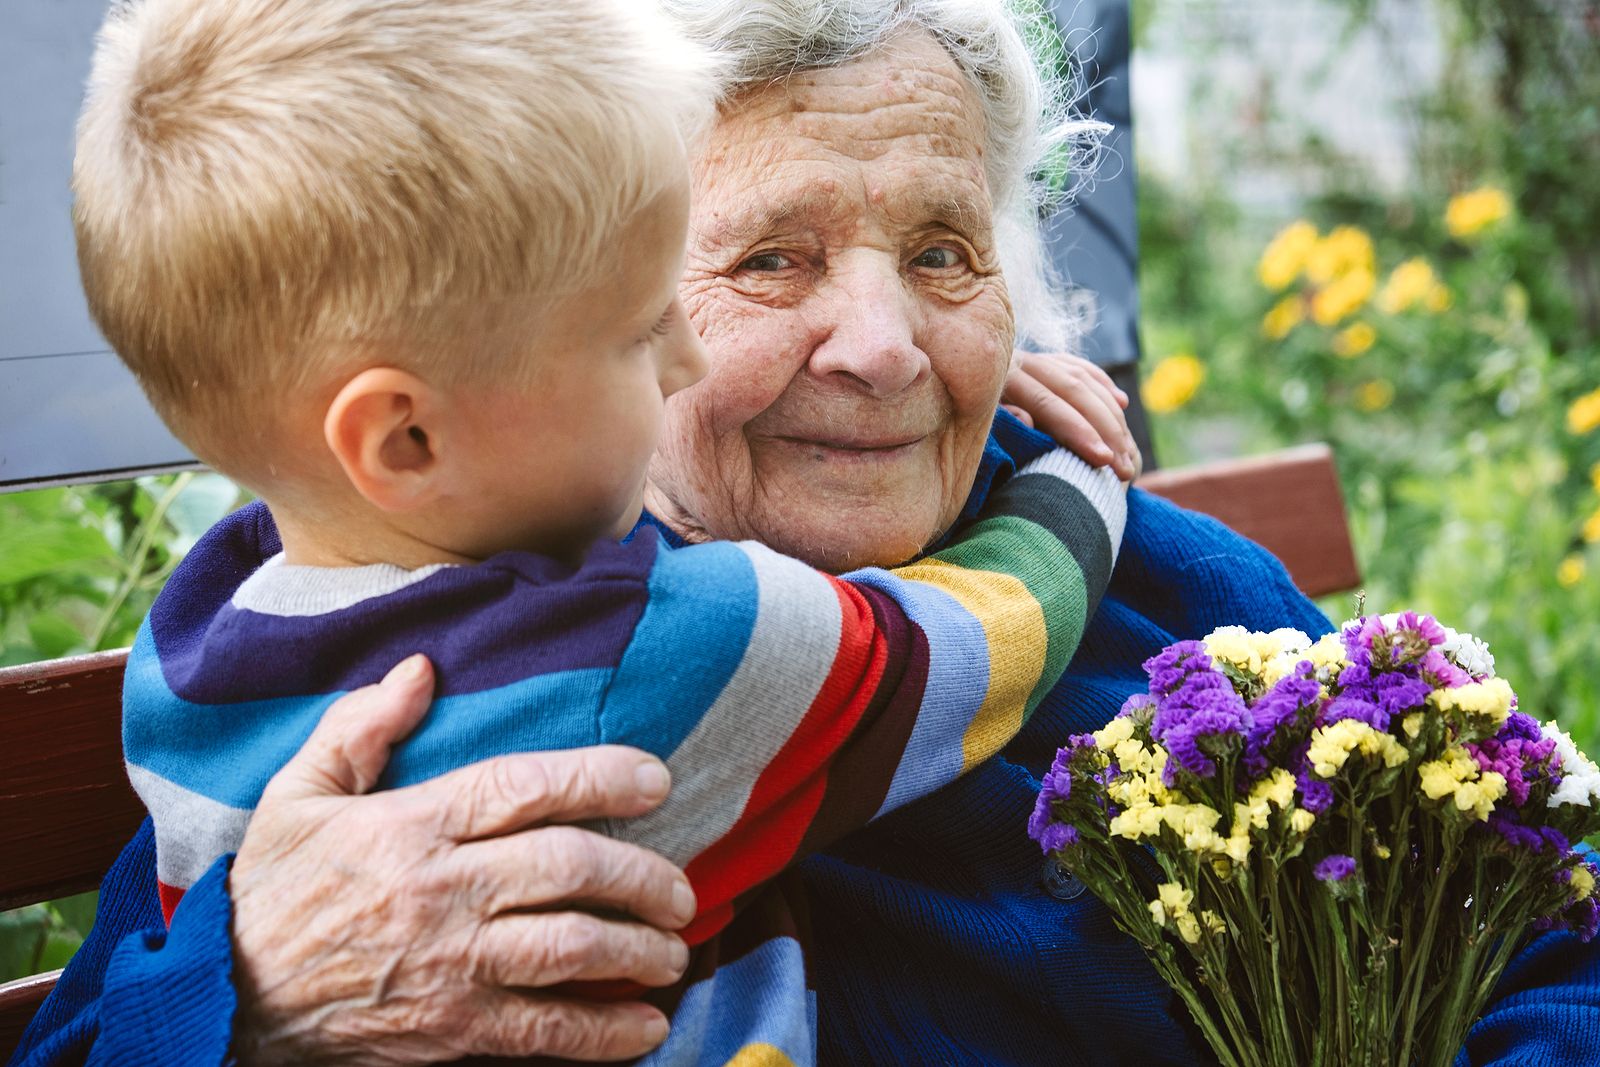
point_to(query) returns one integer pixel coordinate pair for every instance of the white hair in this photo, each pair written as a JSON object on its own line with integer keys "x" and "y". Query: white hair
{"x": 1032, "y": 128}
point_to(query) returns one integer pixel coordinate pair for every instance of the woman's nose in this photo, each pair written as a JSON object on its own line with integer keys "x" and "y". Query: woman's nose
{"x": 872, "y": 336}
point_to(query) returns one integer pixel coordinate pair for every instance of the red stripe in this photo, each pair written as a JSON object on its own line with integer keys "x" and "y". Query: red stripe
{"x": 170, "y": 895}
{"x": 787, "y": 794}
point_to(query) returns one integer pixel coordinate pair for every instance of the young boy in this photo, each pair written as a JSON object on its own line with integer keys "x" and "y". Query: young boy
{"x": 409, "y": 271}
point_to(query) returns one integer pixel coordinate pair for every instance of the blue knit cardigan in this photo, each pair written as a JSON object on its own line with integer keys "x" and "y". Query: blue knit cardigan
{"x": 939, "y": 934}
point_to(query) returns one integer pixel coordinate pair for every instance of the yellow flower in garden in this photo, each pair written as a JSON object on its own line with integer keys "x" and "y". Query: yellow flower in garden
{"x": 1375, "y": 395}
{"x": 1469, "y": 214}
{"x": 1285, "y": 256}
{"x": 1173, "y": 383}
{"x": 1346, "y": 250}
{"x": 1584, "y": 414}
{"x": 1353, "y": 340}
{"x": 1409, "y": 284}
{"x": 1285, "y": 315}
{"x": 1571, "y": 571}
{"x": 1591, "y": 528}
{"x": 1342, "y": 297}
{"x": 1439, "y": 299}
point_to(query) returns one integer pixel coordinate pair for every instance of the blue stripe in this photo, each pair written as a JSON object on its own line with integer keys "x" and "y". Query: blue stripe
{"x": 227, "y": 752}
{"x": 695, "y": 630}
{"x": 958, "y": 680}
{"x": 758, "y": 999}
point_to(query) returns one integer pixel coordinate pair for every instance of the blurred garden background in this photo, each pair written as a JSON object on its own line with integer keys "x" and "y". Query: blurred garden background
{"x": 1369, "y": 222}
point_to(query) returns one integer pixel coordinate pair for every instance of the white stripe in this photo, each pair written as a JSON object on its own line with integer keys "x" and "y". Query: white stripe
{"x": 1104, "y": 489}
{"x": 191, "y": 830}
{"x": 791, "y": 653}
{"x": 277, "y": 588}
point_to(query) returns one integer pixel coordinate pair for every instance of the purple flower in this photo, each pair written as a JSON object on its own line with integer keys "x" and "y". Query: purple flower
{"x": 1168, "y": 669}
{"x": 1057, "y": 836}
{"x": 1335, "y": 868}
{"x": 1522, "y": 760}
{"x": 1514, "y": 832}
{"x": 1316, "y": 796}
{"x": 1284, "y": 705}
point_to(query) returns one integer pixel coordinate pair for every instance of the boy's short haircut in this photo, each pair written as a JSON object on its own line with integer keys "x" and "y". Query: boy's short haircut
{"x": 265, "y": 187}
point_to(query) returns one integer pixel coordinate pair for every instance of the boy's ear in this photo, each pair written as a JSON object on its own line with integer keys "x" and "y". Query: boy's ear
{"x": 385, "y": 427}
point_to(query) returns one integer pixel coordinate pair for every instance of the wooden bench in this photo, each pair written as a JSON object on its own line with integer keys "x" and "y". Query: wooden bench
{"x": 66, "y": 809}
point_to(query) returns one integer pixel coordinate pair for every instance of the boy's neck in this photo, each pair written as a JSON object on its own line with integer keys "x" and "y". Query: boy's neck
{"x": 349, "y": 541}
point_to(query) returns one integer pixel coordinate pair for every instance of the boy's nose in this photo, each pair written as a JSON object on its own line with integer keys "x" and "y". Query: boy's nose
{"x": 687, "y": 360}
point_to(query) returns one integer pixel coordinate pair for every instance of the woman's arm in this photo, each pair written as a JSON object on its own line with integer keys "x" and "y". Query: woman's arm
{"x": 388, "y": 928}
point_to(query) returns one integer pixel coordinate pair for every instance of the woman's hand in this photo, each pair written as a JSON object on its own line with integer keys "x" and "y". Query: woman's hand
{"x": 415, "y": 925}
{"x": 1077, "y": 403}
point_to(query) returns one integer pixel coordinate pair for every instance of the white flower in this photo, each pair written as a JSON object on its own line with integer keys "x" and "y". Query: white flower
{"x": 1468, "y": 653}
{"x": 1580, "y": 778}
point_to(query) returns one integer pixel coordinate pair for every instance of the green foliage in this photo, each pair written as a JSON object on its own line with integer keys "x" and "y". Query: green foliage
{"x": 43, "y": 937}
{"x": 81, "y": 565}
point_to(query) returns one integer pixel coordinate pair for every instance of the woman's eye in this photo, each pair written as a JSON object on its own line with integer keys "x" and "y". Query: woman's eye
{"x": 766, "y": 261}
{"x": 938, "y": 258}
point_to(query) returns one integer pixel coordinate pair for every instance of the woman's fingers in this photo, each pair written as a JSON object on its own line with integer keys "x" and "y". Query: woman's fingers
{"x": 510, "y": 793}
{"x": 574, "y": 867}
{"x": 527, "y": 1024}
{"x": 532, "y": 950}
{"x": 348, "y": 750}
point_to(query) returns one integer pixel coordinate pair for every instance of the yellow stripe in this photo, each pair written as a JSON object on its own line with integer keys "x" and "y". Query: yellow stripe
{"x": 760, "y": 1055}
{"x": 1015, "y": 631}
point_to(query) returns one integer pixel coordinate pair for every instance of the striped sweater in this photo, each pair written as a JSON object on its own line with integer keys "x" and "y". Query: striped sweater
{"x": 790, "y": 706}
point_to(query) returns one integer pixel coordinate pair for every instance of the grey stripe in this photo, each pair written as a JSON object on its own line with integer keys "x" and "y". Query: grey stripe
{"x": 791, "y": 653}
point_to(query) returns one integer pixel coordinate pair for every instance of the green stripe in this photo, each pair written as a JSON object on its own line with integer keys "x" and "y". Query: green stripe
{"x": 1035, "y": 556}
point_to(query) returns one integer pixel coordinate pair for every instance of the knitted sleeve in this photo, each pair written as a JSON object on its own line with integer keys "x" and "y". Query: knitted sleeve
{"x": 836, "y": 699}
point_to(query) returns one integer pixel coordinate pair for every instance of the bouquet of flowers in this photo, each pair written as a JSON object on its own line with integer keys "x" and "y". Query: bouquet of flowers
{"x": 1330, "y": 850}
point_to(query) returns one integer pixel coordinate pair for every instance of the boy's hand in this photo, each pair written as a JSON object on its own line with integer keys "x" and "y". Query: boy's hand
{"x": 1077, "y": 403}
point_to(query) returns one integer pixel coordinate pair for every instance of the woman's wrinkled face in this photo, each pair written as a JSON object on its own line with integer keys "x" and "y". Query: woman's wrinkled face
{"x": 843, "y": 274}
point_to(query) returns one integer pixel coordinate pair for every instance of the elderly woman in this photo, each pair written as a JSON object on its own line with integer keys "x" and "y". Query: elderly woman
{"x": 862, "y": 249}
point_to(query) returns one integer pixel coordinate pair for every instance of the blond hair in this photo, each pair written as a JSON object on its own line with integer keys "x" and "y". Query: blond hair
{"x": 264, "y": 184}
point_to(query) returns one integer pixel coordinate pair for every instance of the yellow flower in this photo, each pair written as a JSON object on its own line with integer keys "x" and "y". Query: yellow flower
{"x": 1331, "y": 746}
{"x": 1342, "y": 297}
{"x": 1173, "y": 383}
{"x": 1591, "y": 528}
{"x": 1346, "y": 250}
{"x": 1409, "y": 284}
{"x": 1382, "y": 851}
{"x": 1469, "y": 214}
{"x": 1328, "y": 653}
{"x": 1214, "y": 923}
{"x": 1114, "y": 733}
{"x": 1188, "y": 928}
{"x": 1571, "y": 571}
{"x": 1412, "y": 724}
{"x": 1278, "y": 788}
{"x": 1490, "y": 699}
{"x": 1285, "y": 315}
{"x": 1285, "y": 257}
{"x": 1439, "y": 299}
{"x": 1582, "y": 882}
{"x": 1456, "y": 775}
{"x": 1353, "y": 340}
{"x": 1584, "y": 414}
{"x": 1301, "y": 821}
{"x": 1375, "y": 395}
